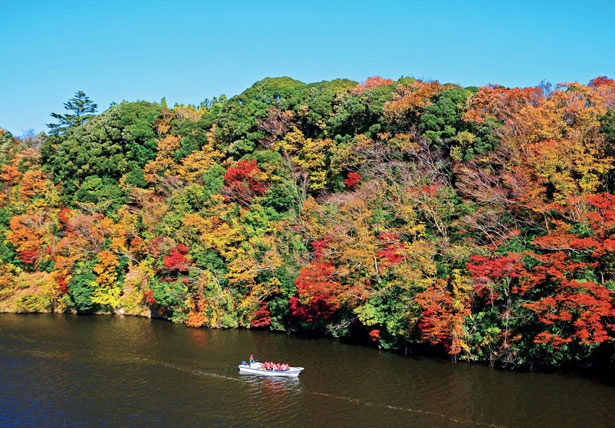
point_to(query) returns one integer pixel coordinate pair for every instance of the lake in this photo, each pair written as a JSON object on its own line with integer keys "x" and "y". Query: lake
{"x": 63, "y": 370}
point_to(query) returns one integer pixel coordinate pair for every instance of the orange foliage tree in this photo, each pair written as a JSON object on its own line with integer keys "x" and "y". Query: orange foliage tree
{"x": 577, "y": 266}
{"x": 318, "y": 291}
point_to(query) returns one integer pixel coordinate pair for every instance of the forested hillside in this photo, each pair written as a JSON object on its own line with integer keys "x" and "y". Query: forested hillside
{"x": 479, "y": 221}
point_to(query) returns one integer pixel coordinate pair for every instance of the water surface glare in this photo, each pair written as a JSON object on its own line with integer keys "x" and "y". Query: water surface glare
{"x": 58, "y": 370}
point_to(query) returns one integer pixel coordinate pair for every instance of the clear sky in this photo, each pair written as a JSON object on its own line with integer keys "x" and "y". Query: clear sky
{"x": 188, "y": 50}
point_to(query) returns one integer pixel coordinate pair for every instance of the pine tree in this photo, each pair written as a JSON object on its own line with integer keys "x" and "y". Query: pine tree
{"x": 81, "y": 107}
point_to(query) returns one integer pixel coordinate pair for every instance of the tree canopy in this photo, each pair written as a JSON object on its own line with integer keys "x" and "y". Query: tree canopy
{"x": 475, "y": 222}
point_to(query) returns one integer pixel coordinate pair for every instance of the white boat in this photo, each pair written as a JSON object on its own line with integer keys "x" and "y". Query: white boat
{"x": 256, "y": 368}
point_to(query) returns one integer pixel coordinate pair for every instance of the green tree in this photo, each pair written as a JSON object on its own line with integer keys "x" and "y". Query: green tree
{"x": 80, "y": 107}
{"x": 442, "y": 120}
{"x": 359, "y": 110}
{"x": 237, "y": 119}
{"x": 316, "y": 107}
{"x": 7, "y": 145}
{"x": 119, "y": 141}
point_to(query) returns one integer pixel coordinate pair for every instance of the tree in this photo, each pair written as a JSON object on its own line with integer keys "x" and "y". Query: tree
{"x": 119, "y": 141}
{"x": 237, "y": 121}
{"x": 242, "y": 183}
{"x": 81, "y": 108}
{"x": 317, "y": 288}
{"x": 7, "y": 146}
{"x": 176, "y": 260}
{"x": 359, "y": 110}
{"x": 27, "y": 234}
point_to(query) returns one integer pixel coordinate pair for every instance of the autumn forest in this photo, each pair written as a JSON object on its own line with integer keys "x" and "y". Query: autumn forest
{"x": 473, "y": 222}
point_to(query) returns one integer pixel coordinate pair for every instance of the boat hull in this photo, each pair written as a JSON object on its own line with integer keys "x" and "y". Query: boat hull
{"x": 257, "y": 370}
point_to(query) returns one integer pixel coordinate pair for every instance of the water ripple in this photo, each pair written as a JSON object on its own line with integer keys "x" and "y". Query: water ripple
{"x": 448, "y": 418}
{"x": 89, "y": 372}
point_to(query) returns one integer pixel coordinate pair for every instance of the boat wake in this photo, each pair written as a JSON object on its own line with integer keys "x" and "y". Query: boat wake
{"x": 443, "y": 416}
{"x": 278, "y": 385}
{"x": 186, "y": 370}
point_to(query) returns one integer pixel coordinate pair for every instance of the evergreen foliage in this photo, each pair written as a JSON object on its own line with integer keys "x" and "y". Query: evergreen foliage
{"x": 80, "y": 109}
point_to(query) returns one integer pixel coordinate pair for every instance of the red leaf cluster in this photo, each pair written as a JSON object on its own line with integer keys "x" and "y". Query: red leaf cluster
{"x": 352, "y": 180}
{"x": 148, "y": 297}
{"x": 28, "y": 257}
{"x": 243, "y": 182}
{"x": 374, "y": 335}
{"x": 177, "y": 259}
{"x": 316, "y": 309}
{"x": 318, "y": 291}
{"x": 488, "y": 271}
{"x": 370, "y": 84}
{"x": 262, "y": 317}
{"x": 315, "y": 285}
{"x": 319, "y": 248}
{"x": 601, "y": 81}
{"x": 578, "y": 311}
{"x": 62, "y": 285}
{"x": 393, "y": 248}
{"x": 443, "y": 315}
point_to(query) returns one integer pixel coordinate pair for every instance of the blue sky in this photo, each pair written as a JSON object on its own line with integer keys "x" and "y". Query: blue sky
{"x": 188, "y": 50}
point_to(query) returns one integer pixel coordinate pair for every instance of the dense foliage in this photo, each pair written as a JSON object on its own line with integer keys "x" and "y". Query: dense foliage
{"x": 477, "y": 221}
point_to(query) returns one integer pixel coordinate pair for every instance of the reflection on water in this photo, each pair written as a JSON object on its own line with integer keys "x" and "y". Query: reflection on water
{"x": 273, "y": 387}
{"x": 115, "y": 371}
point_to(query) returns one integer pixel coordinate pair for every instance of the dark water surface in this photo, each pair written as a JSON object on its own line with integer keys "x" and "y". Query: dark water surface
{"x": 69, "y": 371}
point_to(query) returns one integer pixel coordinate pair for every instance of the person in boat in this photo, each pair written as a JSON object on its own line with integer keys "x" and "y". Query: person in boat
{"x": 251, "y": 358}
